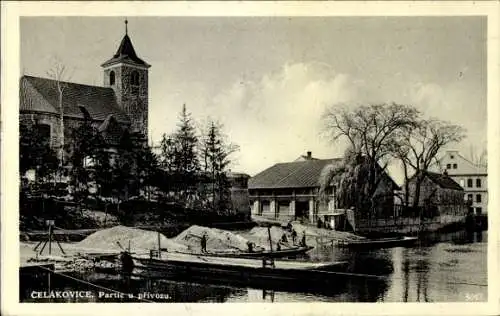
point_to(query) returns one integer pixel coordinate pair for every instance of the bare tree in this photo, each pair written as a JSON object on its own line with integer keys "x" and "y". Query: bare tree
{"x": 477, "y": 156}
{"x": 418, "y": 148}
{"x": 59, "y": 74}
{"x": 372, "y": 132}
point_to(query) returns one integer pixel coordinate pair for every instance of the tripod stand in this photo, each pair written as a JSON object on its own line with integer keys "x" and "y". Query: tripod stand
{"x": 49, "y": 240}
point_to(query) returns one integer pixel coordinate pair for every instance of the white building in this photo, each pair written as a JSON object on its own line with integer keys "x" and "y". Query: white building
{"x": 471, "y": 177}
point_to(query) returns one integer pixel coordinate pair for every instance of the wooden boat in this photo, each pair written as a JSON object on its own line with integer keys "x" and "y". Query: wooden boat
{"x": 291, "y": 252}
{"x": 237, "y": 271}
{"x": 379, "y": 243}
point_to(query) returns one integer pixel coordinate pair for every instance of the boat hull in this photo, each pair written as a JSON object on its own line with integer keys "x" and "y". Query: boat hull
{"x": 381, "y": 243}
{"x": 293, "y": 252}
{"x": 244, "y": 273}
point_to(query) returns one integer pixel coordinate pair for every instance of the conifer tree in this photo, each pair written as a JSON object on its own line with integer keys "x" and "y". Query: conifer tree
{"x": 216, "y": 152}
{"x": 179, "y": 158}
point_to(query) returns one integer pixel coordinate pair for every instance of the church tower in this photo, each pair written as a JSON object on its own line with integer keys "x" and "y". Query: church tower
{"x": 127, "y": 75}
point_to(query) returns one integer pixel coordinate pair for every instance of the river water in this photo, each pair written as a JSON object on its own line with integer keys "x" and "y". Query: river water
{"x": 450, "y": 268}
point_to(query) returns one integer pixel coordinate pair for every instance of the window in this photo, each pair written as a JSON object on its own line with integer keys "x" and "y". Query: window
{"x": 469, "y": 197}
{"x": 479, "y": 210}
{"x": 134, "y": 82}
{"x": 43, "y": 132}
{"x": 478, "y": 183}
{"x": 478, "y": 198}
{"x": 134, "y": 78}
{"x": 469, "y": 183}
{"x": 462, "y": 183}
{"x": 448, "y": 166}
{"x": 111, "y": 78}
{"x": 454, "y": 166}
{"x": 451, "y": 156}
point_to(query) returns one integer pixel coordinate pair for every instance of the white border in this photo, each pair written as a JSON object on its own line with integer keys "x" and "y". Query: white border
{"x": 11, "y": 11}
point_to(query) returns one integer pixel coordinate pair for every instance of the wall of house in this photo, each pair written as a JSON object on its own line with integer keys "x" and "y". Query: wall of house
{"x": 427, "y": 189}
{"x": 475, "y": 188}
{"x": 448, "y": 201}
{"x": 240, "y": 201}
{"x": 467, "y": 174}
{"x": 285, "y": 204}
{"x": 451, "y": 202}
{"x": 52, "y": 120}
{"x": 240, "y": 198}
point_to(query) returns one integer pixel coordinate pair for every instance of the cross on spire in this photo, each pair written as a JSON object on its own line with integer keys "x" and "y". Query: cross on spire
{"x": 126, "y": 27}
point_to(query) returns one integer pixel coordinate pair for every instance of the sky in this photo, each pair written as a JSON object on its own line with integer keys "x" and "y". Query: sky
{"x": 270, "y": 79}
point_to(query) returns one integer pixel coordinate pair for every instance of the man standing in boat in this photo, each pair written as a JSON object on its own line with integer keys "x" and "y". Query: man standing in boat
{"x": 250, "y": 246}
{"x": 204, "y": 243}
{"x": 294, "y": 236}
{"x": 303, "y": 241}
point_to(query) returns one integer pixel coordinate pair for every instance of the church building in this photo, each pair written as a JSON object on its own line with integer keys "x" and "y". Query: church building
{"x": 120, "y": 104}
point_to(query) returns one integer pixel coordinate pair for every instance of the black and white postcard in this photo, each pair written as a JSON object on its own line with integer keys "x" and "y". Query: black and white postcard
{"x": 250, "y": 152}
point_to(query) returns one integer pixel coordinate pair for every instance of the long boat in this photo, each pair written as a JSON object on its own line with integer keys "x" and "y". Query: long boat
{"x": 291, "y": 252}
{"x": 379, "y": 243}
{"x": 238, "y": 271}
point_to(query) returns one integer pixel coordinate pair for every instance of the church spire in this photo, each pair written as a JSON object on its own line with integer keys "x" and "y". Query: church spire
{"x": 125, "y": 52}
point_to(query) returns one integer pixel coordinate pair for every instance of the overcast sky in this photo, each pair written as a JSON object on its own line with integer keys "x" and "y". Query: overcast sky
{"x": 270, "y": 79}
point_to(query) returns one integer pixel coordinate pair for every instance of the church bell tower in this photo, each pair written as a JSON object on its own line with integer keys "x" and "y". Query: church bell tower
{"x": 127, "y": 75}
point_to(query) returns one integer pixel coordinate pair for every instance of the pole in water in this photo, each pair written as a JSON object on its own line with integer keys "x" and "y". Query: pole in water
{"x": 50, "y": 238}
{"x": 270, "y": 240}
{"x": 159, "y": 245}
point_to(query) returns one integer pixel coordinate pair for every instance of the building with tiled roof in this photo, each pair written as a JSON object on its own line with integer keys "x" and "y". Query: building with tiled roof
{"x": 120, "y": 104}
{"x": 440, "y": 191}
{"x": 290, "y": 190}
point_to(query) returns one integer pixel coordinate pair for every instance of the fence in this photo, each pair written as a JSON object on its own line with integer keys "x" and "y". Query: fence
{"x": 404, "y": 219}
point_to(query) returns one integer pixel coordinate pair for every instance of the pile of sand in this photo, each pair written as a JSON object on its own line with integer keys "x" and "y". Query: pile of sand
{"x": 217, "y": 239}
{"x": 313, "y": 232}
{"x": 141, "y": 241}
{"x": 260, "y": 236}
{"x": 101, "y": 218}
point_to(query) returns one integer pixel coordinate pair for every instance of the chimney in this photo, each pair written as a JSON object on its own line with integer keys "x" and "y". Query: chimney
{"x": 309, "y": 155}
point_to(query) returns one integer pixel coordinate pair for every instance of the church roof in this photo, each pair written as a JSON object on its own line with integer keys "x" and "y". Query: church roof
{"x": 111, "y": 130}
{"x": 126, "y": 53}
{"x": 41, "y": 95}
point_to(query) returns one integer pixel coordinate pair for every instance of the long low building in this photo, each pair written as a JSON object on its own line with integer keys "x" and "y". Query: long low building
{"x": 290, "y": 190}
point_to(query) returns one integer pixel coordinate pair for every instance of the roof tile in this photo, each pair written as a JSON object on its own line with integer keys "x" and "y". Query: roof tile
{"x": 100, "y": 102}
{"x": 299, "y": 174}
